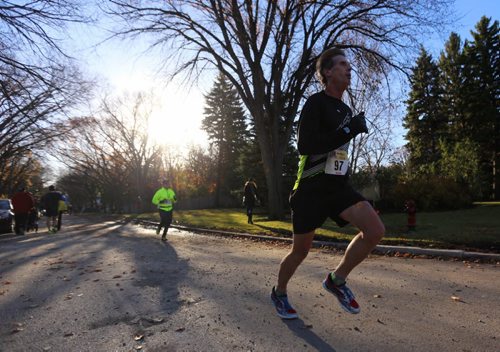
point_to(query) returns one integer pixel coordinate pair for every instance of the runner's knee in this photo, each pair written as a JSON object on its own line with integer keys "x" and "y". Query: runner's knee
{"x": 300, "y": 253}
{"x": 374, "y": 233}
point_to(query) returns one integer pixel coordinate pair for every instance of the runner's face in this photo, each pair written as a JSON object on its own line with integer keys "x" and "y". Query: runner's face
{"x": 339, "y": 75}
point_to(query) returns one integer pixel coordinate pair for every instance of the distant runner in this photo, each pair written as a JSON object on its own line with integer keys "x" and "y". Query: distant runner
{"x": 50, "y": 202}
{"x": 164, "y": 199}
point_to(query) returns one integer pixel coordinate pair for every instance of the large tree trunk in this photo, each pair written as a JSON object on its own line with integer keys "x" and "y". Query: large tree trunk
{"x": 272, "y": 153}
{"x": 496, "y": 172}
{"x": 496, "y": 161}
{"x": 273, "y": 170}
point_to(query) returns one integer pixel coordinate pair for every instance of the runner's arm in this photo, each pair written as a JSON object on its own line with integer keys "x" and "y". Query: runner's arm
{"x": 312, "y": 138}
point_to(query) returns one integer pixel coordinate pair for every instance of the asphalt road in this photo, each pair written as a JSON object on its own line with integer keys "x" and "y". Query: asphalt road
{"x": 117, "y": 287}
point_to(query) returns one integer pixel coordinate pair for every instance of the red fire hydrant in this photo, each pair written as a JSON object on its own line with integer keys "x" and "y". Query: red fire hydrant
{"x": 411, "y": 209}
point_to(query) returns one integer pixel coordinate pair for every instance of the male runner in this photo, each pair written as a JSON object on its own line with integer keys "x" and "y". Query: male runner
{"x": 322, "y": 190}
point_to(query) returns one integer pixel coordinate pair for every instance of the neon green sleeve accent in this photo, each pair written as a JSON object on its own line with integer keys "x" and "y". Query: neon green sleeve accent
{"x": 302, "y": 164}
{"x": 156, "y": 197}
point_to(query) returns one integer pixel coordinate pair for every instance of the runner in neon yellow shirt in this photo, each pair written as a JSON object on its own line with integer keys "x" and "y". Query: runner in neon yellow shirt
{"x": 164, "y": 199}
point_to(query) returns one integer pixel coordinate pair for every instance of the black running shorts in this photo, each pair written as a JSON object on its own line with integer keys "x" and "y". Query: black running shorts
{"x": 51, "y": 212}
{"x": 165, "y": 217}
{"x": 316, "y": 200}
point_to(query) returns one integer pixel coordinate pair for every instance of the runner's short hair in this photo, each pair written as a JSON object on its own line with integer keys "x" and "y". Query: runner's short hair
{"x": 325, "y": 62}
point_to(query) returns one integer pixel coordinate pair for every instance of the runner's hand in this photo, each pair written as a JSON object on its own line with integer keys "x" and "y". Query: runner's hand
{"x": 358, "y": 124}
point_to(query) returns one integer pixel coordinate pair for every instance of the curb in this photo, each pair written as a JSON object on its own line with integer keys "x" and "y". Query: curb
{"x": 382, "y": 249}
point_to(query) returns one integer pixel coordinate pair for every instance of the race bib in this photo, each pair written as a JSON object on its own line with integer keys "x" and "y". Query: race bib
{"x": 337, "y": 162}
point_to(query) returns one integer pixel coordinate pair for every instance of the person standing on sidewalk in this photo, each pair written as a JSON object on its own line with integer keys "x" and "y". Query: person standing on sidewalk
{"x": 250, "y": 194}
{"x": 164, "y": 199}
{"x": 326, "y": 127}
{"x": 50, "y": 202}
{"x": 22, "y": 202}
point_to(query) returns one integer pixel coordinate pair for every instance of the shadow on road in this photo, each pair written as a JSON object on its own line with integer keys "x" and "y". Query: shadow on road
{"x": 103, "y": 273}
{"x": 301, "y": 330}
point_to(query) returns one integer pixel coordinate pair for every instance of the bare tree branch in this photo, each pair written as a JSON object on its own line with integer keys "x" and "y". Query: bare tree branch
{"x": 267, "y": 50}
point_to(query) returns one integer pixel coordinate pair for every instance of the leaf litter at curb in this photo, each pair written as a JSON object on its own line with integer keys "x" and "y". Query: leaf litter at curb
{"x": 155, "y": 320}
{"x": 17, "y": 327}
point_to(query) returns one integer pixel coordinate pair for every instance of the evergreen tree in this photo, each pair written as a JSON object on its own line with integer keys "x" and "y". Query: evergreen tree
{"x": 451, "y": 65}
{"x": 459, "y": 162}
{"x": 459, "y": 154}
{"x": 226, "y": 126}
{"x": 482, "y": 105}
{"x": 425, "y": 120}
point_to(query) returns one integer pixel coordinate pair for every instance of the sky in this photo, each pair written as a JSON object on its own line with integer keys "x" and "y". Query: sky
{"x": 469, "y": 12}
{"x": 179, "y": 112}
{"x": 124, "y": 67}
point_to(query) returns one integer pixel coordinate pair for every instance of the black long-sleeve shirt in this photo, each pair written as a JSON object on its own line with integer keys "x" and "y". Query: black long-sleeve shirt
{"x": 321, "y": 124}
{"x": 321, "y": 130}
{"x": 50, "y": 201}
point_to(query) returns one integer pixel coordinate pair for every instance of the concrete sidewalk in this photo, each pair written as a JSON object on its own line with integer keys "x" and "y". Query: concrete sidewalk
{"x": 382, "y": 249}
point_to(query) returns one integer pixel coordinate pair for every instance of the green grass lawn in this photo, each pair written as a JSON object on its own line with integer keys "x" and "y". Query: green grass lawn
{"x": 477, "y": 227}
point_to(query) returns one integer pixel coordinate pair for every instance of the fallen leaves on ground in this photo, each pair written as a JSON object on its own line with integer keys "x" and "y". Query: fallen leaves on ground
{"x": 56, "y": 262}
{"x": 155, "y": 320}
{"x": 17, "y": 327}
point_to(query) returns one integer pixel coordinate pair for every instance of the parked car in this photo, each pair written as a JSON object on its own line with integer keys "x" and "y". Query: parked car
{"x": 6, "y": 215}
